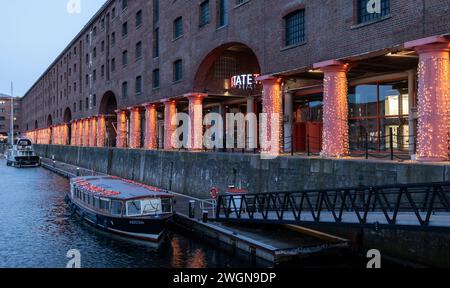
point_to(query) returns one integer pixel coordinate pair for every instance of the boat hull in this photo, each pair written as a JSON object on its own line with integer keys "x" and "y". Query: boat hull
{"x": 148, "y": 229}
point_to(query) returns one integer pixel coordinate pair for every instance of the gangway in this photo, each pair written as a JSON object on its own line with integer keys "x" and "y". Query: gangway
{"x": 423, "y": 206}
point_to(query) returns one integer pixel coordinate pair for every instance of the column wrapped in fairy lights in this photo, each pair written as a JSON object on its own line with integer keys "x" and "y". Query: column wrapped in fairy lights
{"x": 195, "y": 141}
{"x": 93, "y": 133}
{"x": 101, "y": 131}
{"x": 151, "y": 118}
{"x": 86, "y": 124}
{"x": 80, "y": 132}
{"x": 73, "y": 140}
{"x": 433, "y": 98}
{"x": 335, "y": 141}
{"x": 121, "y": 128}
{"x": 65, "y": 139}
{"x": 170, "y": 111}
{"x": 135, "y": 127}
{"x": 273, "y": 108}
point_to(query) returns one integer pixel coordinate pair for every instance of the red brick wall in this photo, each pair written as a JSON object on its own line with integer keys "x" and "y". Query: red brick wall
{"x": 330, "y": 33}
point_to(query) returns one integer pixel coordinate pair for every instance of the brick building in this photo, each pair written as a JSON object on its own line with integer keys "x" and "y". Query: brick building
{"x": 5, "y": 116}
{"x": 330, "y": 72}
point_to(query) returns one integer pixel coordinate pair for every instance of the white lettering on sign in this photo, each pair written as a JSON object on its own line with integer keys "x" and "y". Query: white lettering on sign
{"x": 245, "y": 81}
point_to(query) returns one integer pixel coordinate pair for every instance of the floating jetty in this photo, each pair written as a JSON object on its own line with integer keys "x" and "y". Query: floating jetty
{"x": 275, "y": 243}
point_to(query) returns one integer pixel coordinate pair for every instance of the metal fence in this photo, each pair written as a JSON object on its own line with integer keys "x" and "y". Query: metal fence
{"x": 415, "y": 206}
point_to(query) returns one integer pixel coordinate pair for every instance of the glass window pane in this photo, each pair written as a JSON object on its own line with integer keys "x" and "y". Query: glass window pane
{"x": 134, "y": 208}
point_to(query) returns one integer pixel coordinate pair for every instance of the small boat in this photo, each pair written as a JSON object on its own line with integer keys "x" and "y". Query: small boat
{"x": 22, "y": 154}
{"x": 121, "y": 206}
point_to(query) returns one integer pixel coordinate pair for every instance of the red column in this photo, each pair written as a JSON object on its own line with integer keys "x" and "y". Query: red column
{"x": 335, "y": 109}
{"x": 74, "y": 132}
{"x": 170, "y": 111}
{"x": 196, "y": 120}
{"x": 121, "y": 128}
{"x": 433, "y": 98}
{"x": 86, "y": 126}
{"x": 151, "y": 127}
{"x": 101, "y": 131}
{"x": 273, "y": 110}
{"x": 80, "y": 132}
{"x": 135, "y": 127}
{"x": 93, "y": 132}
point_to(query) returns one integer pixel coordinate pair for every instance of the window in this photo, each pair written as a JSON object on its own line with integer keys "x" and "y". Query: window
{"x": 125, "y": 29}
{"x": 113, "y": 64}
{"x": 139, "y": 19}
{"x": 138, "y": 86}
{"x": 113, "y": 39}
{"x": 366, "y": 13}
{"x": 156, "y": 78}
{"x": 156, "y": 43}
{"x": 295, "y": 28}
{"x": 134, "y": 208}
{"x": 94, "y": 31}
{"x": 116, "y": 208}
{"x": 178, "y": 27}
{"x": 87, "y": 103}
{"x": 177, "y": 70}
{"x": 103, "y": 71}
{"x": 155, "y": 11}
{"x": 124, "y": 4}
{"x": 204, "y": 13}
{"x": 125, "y": 58}
{"x": 80, "y": 106}
{"x": 103, "y": 23}
{"x": 95, "y": 52}
{"x": 87, "y": 58}
{"x": 113, "y": 13}
{"x": 87, "y": 80}
{"x": 222, "y": 13}
{"x": 102, "y": 46}
{"x": 138, "y": 51}
{"x": 94, "y": 75}
{"x": 94, "y": 100}
{"x": 125, "y": 89}
{"x": 376, "y": 109}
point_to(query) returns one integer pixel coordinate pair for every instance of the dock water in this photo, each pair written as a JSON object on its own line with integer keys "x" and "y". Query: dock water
{"x": 275, "y": 244}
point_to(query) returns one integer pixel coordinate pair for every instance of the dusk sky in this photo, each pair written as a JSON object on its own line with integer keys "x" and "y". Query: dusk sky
{"x": 33, "y": 34}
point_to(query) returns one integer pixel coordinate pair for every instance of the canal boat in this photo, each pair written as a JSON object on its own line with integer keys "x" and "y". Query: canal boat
{"x": 121, "y": 206}
{"x": 22, "y": 154}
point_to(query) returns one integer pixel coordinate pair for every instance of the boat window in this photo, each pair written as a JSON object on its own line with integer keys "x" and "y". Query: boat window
{"x": 151, "y": 206}
{"x": 134, "y": 208}
{"x": 96, "y": 204}
{"x": 166, "y": 205}
{"x": 104, "y": 204}
{"x": 116, "y": 208}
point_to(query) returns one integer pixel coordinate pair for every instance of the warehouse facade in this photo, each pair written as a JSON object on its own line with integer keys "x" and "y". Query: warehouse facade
{"x": 336, "y": 76}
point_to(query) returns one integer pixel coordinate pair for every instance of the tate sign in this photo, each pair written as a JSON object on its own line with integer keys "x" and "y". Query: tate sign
{"x": 244, "y": 81}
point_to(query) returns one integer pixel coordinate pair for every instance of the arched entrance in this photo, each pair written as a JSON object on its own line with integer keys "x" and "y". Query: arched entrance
{"x": 228, "y": 75}
{"x": 108, "y": 107}
{"x": 68, "y": 120}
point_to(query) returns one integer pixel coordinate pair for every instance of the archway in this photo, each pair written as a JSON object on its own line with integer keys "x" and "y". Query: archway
{"x": 228, "y": 75}
{"x": 108, "y": 107}
{"x": 68, "y": 119}
{"x": 215, "y": 73}
{"x": 49, "y": 121}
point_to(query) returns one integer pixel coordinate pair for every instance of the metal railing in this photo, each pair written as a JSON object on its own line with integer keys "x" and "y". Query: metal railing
{"x": 415, "y": 206}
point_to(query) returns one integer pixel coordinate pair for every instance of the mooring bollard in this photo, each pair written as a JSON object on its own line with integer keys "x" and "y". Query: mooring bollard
{"x": 205, "y": 216}
{"x": 192, "y": 209}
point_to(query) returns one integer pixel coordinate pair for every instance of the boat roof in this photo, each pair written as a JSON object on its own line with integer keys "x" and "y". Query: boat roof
{"x": 118, "y": 188}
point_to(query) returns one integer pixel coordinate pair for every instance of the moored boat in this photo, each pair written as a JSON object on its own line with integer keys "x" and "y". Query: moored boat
{"x": 22, "y": 154}
{"x": 121, "y": 206}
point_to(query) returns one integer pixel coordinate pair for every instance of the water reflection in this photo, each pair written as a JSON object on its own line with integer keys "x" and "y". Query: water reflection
{"x": 37, "y": 230}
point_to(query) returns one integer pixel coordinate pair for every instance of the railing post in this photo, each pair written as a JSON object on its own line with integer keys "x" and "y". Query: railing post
{"x": 367, "y": 146}
{"x": 292, "y": 144}
{"x": 391, "y": 143}
{"x": 307, "y": 146}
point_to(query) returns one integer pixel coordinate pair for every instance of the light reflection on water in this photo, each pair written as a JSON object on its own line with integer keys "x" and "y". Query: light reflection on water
{"x": 37, "y": 230}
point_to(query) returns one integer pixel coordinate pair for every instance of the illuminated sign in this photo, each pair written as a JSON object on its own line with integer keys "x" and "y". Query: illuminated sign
{"x": 245, "y": 81}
